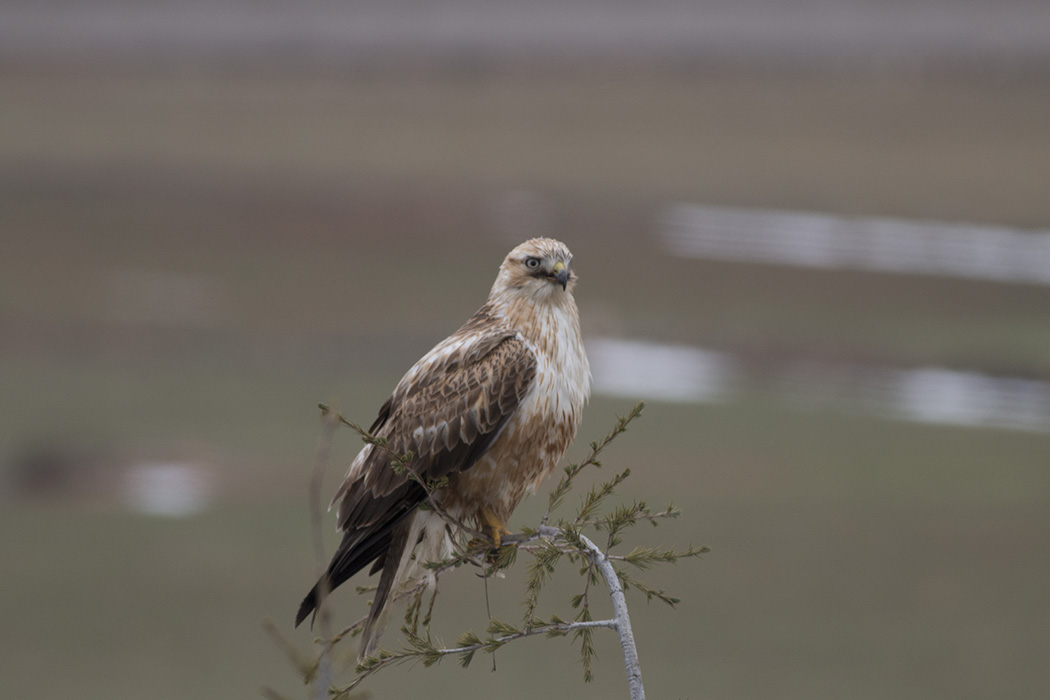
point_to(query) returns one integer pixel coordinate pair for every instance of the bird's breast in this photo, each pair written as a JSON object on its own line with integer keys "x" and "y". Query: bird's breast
{"x": 536, "y": 436}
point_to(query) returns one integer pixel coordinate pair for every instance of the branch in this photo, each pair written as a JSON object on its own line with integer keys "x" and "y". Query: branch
{"x": 324, "y": 661}
{"x": 501, "y": 633}
{"x": 619, "y": 602}
{"x": 623, "y": 620}
{"x": 571, "y": 471}
{"x": 421, "y": 649}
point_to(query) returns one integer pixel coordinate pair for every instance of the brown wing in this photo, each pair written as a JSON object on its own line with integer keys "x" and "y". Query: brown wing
{"x": 446, "y": 417}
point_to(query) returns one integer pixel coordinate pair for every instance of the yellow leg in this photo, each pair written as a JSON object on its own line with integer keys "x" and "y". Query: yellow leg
{"x": 492, "y": 525}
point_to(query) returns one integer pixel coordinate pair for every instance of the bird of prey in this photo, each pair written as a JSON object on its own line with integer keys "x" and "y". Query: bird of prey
{"x": 490, "y": 410}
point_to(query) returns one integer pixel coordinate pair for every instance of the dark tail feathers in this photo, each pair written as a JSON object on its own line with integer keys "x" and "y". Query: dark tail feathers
{"x": 352, "y": 556}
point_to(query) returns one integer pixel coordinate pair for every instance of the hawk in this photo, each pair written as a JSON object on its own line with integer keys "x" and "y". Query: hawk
{"x": 490, "y": 410}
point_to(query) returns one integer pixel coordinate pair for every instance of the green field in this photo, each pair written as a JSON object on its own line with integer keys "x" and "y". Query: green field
{"x": 192, "y": 260}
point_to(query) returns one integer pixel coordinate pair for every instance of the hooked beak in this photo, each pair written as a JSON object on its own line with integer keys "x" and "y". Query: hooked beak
{"x": 561, "y": 274}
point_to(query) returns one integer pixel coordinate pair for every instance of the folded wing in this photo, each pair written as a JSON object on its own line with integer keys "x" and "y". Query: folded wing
{"x": 446, "y": 413}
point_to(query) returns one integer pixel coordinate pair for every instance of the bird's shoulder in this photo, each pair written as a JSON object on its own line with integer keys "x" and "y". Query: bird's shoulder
{"x": 483, "y": 341}
{"x": 482, "y": 371}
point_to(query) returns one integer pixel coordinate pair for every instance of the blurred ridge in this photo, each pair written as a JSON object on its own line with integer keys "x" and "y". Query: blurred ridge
{"x": 765, "y": 31}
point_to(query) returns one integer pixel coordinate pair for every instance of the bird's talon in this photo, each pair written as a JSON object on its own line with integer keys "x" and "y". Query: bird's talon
{"x": 492, "y": 525}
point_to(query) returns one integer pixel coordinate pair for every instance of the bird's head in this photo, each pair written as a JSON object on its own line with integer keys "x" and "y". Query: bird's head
{"x": 540, "y": 268}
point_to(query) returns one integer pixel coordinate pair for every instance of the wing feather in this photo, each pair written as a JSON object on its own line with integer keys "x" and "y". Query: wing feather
{"x": 443, "y": 421}
{"x": 446, "y": 414}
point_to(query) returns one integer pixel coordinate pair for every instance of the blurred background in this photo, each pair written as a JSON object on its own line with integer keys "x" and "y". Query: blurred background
{"x": 815, "y": 236}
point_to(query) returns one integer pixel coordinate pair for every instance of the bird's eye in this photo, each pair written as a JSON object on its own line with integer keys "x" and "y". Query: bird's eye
{"x": 532, "y": 263}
